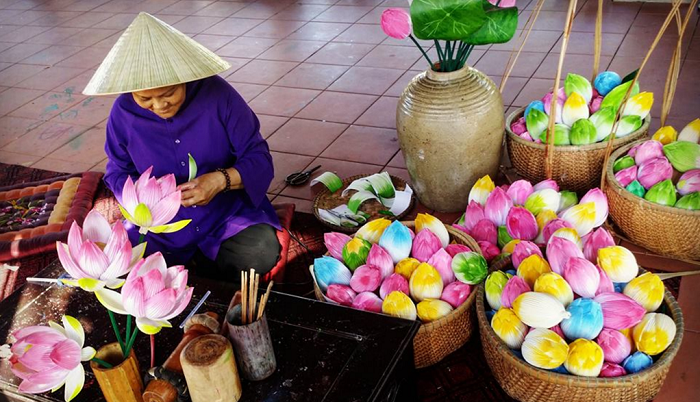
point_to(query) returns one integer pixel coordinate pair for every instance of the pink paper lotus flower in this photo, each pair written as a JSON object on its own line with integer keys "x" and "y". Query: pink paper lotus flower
{"x": 568, "y": 234}
{"x": 547, "y": 183}
{"x": 552, "y": 226}
{"x": 153, "y": 293}
{"x": 454, "y": 249}
{"x": 497, "y": 206}
{"x": 341, "y": 294}
{"x": 559, "y": 250}
{"x": 626, "y": 176}
{"x": 527, "y": 137}
{"x": 152, "y": 203}
{"x": 583, "y": 217}
{"x": 582, "y": 276}
{"x": 616, "y": 347}
{"x": 513, "y": 288}
{"x": 367, "y": 301}
{"x": 442, "y": 262}
{"x": 596, "y": 240}
{"x": 654, "y": 171}
{"x": 605, "y": 285}
{"x": 97, "y": 255}
{"x": 489, "y": 250}
{"x": 689, "y": 182}
{"x": 425, "y": 245}
{"x": 597, "y": 197}
{"x": 485, "y": 230}
{"x": 335, "y": 242}
{"x": 365, "y": 279}
{"x": 518, "y": 127}
{"x": 521, "y": 224}
{"x": 594, "y": 106}
{"x": 396, "y": 23}
{"x": 473, "y": 214}
{"x": 619, "y": 311}
{"x": 456, "y": 293}
{"x": 381, "y": 259}
{"x": 547, "y": 101}
{"x": 610, "y": 370}
{"x": 46, "y": 358}
{"x": 523, "y": 250}
{"x": 519, "y": 191}
{"x": 481, "y": 189}
{"x": 503, "y": 3}
{"x": 648, "y": 150}
{"x": 393, "y": 282}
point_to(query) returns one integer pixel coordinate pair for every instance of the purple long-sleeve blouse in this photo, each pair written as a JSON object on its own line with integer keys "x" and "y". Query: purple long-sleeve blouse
{"x": 218, "y": 128}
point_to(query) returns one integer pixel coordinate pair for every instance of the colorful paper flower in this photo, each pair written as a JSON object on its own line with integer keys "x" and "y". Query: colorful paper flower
{"x": 583, "y": 132}
{"x": 616, "y": 347}
{"x": 605, "y": 285}
{"x": 559, "y": 251}
{"x": 544, "y": 349}
{"x": 519, "y": 191}
{"x": 394, "y": 283}
{"x": 536, "y": 123}
{"x": 555, "y": 285}
{"x": 543, "y": 218}
{"x": 494, "y": 288}
{"x": 628, "y": 125}
{"x": 473, "y": 214}
{"x": 647, "y": 151}
{"x": 503, "y": 237}
{"x": 636, "y": 188}
{"x": 568, "y": 199}
{"x": 372, "y": 231}
{"x": 485, "y": 230}
{"x": 689, "y": 182}
{"x": 623, "y": 163}
{"x": 425, "y": 245}
{"x": 406, "y": 267}
{"x": 654, "y": 171}
{"x": 637, "y": 362}
{"x": 565, "y": 232}
{"x": 582, "y": 217}
{"x": 497, "y": 206}
{"x": 355, "y": 252}
{"x": 523, "y": 250}
{"x": 335, "y": 242}
{"x": 429, "y": 222}
{"x": 626, "y": 176}
{"x": 639, "y": 105}
{"x": 396, "y": 240}
{"x": 488, "y": 250}
{"x": 605, "y": 82}
{"x": 582, "y": 276}
{"x": 539, "y": 310}
{"x": 562, "y": 135}
{"x": 367, "y": 301}
{"x": 396, "y": 23}
{"x": 432, "y": 310}
{"x": 518, "y": 127}
{"x": 690, "y": 201}
{"x": 546, "y": 183}
{"x": 509, "y": 328}
{"x": 547, "y": 101}
{"x": 691, "y": 132}
{"x": 618, "y": 262}
{"x": 380, "y": 259}
{"x": 365, "y": 279}
{"x": 647, "y": 290}
{"x": 614, "y": 98}
{"x": 543, "y": 199}
{"x": 341, "y": 294}
{"x": 531, "y": 268}
{"x": 654, "y": 333}
{"x": 521, "y": 224}
{"x": 665, "y": 135}
{"x": 328, "y": 271}
{"x": 597, "y": 197}
{"x": 663, "y": 193}
{"x": 481, "y": 190}
{"x": 454, "y": 249}
{"x": 425, "y": 283}
{"x": 578, "y": 84}
{"x": 397, "y": 304}
{"x": 683, "y": 155}
{"x": 619, "y": 311}
{"x": 456, "y": 293}
{"x": 470, "y": 268}
{"x": 610, "y": 370}
{"x": 599, "y": 238}
{"x": 536, "y": 104}
{"x": 575, "y": 108}
{"x": 585, "y": 358}
{"x": 513, "y": 288}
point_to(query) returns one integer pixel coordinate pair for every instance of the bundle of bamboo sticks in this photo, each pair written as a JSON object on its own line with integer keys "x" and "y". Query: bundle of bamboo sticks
{"x": 249, "y": 290}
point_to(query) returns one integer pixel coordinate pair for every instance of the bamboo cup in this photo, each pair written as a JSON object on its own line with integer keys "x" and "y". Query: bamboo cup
{"x": 210, "y": 370}
{"x": 121, "y": 383}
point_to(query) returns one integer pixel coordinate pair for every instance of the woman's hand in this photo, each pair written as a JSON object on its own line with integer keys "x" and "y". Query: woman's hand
{"x": 201, "y": 190}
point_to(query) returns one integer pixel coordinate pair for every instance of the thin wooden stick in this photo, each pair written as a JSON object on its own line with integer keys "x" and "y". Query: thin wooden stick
{"x": 244, "y": 296}
{"x": 548, "y": 168}
{"x": 251, "y": 295}
{"x": 608, "y": 150}
{"x": 261, "y": 309}
{"x": 598, "y": 44}
{"x": 512, "y": 60}
{"x": 670, "y": 275}
{"x": 255, "y": 296}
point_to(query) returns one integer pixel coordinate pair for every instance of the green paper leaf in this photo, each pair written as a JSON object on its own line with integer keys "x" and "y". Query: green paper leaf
{"x": 499, "y": 27}
{"x": 170, "y": 227}
{"x": 382, "y": 186}
{"x": 358, "y": 198}
{"x": 630, "y": 76}
{"x": 623, "y": 163}
{"x": 193, "y": 167}
{"x": 689, "y": 201}
{"x": 447, "y": 19}
{"x": 330, "y": 180}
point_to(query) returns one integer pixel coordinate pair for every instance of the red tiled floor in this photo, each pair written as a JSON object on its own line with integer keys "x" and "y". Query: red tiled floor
{"x": 12, "y": 128}
{"x": 20, "y": 51}
{"x": 319, "y": 31}
{"x": 52, "y": 55}
{"x": 343, "y": 14}
{"x": 59, "y": 165}
{"x": 47, "y": 106}
{"x": 279, "y": 101}
{"x": 337, "y": 107}
{"x": 292, "y": 50}
{"x": 17, "y": 159}
{"x": 270, "y": 124}
{"x": 312, "y": 76}
{"x": 220, "y": 9}
{"x": 45, "y": 139}
{"x": 381, "y": 114}
{"x": 87, "y": 148}
{"x": 284, "y": 165}
{"x": 362, "y": 33}
{"x": 196, "y": 24}
{"x": 494, "y": 62}
{"x": 50, "y": 78}
{"x": 274, "y": 29}
{"x": 233, "y": 26}
{"x": 18, "y": 72}
{"x": 573, "y": 63}
{"x": 365, "y": 145}
{"x": 365, "y": 80}
{"x": 248, "y": 91}
{"x": 13, "y": 98}
{"x": 262, "y": 72}
{"x": 300, "y": 12}
{"x": 390, "y": 57}
{"x": 346, "y": 54}
{"x": 305, "y": 137}
{"x": 247, "y": 47}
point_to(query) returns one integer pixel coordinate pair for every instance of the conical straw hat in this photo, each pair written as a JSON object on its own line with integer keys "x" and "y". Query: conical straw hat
{"x": 152, "y": 54}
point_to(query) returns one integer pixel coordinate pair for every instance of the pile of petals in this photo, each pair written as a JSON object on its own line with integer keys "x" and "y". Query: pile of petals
{"x": 500, "y": 218}
{"x": 649, "y": 169}
{"x": 386, "y": 268}
{"x": 585, "y": 113}
{"x": 580, "y": 311}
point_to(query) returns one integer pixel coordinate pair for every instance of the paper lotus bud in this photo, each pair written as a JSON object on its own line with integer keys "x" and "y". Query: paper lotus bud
{"x": 547, "y": 101}
{"x": 598, "y": 239}
{"x": 633, "y": 151}
{"x": 431, "y": 310}
{"x": 341, "y": 294}
{"x": 355, "y": 252}
{"x": 690, "y": 201}
{"x": 691, "y": 132}
{"x": 639, "y": 105}
{"x": 614, "y": 98}
{"x": 485, "y": 230}
{"x": 583, "y": 276}
{"x": 473, "y": 214}
{"x": 470, "y": 268}
{"x": 565, "y": 233}
{"x": 683, "y": 155}
{"x": 582, "y": 217}
{"x": 605, "y": 285}
{"x": 605, "y": 82}
{"x": 553, "y": 284}
{"x": 647, "y": 290}
{"x": 619, "y": 311}
{"x": 663, "y": 193}
{"x": 509, "y": 328}
{"x": 488, "y": 250}
{"x": 527, "y": 137}
{"x": 523, "y": 250}
{"x": 541, "y": 200}
{"x": 585, "y": 358}
{"x": 568, "y": 199}
{"x": 559, "y": 250}
{"x": 628, "y": 333}
{"x": 578, "y": 84}
{"x": 531, "y": 268}
{"x": 366, "y": 279}
{"x": 519, "y": 191}
{"x": 396, "y": 240}
{"x": 334, "y": 243}
{"x": 536, "y": 104}
{"x": 425, "y": 283}
{"x": 647, "y": 151}
{"x": 583, "y": 132}
{"x": 481, "y": 190}
{"x": 425, "y": 245}
{"x": 503, "y": 237}
{"x": 618, "y": 262}
{"x": 689, "y": 182}
{"x": 597, "y": 197}
{"x": 637, "y": 362}
{"x": 518, "y": 126}
{"x": 616, "y": 347}
{"x": 544, "y": 349}
{"x": 406, "y": 267}
{"x": 636, "y": 188}
{"x": 372, "y": 231}
{"x": 626, "y": 176}
{"x": 603, "y": 120}
{"x": 543, "y": 218}
{"x": 547, "y": 183}
{"x": 497, "y": 206}
{"x": 509, "y": 248}
{"x": 653, "y": 171}
{"x": 513, "y": 288}
{"x": 397, "y": 304}
{"x": 610, "y": 370}
{"x": 654, "y": 333}
{"x": 456, "y": 293}
{"x": 429, "y": 222}
{"x": 628, "y": 125}
{"x": 442, "y": 262}
{"x": 330, "y": 271}
{"x": 665, "y": 135}
{"x": 396, "y": 23}
{"x": 539, "y": 310}
{"x": 393, "y": 283}
{"x": 494, "y": 287}
{"x": 536, "y": 123}
{"x": 380, "y": 259}
{"x": 521, "y": 224}
{"x": 367, "y": 301}
{"x": 575, "y": 108}
{"x": 562, "y": 135}
{"x": 454, "y": 249}
{"x": 623, "y": 163}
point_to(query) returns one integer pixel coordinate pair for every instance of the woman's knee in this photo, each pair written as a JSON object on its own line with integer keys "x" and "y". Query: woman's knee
{"x": 255, "y": 247}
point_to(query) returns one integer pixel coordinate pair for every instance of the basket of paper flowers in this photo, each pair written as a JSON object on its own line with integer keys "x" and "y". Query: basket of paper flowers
{"x": 414, "y": 270}
{"x": 654, "y": 192}
{"x": 579, "y": 321}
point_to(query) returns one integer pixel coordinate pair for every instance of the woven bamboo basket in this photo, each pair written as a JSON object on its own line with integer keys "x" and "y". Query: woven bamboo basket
{"x": 575, "y": 167}
{"x": 668, "y": 231}
{"x": 527, "y": 383}
{"x": 435, "y": 340}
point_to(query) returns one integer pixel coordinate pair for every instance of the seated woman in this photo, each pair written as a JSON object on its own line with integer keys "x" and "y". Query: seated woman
{"x": 173, "y": 105}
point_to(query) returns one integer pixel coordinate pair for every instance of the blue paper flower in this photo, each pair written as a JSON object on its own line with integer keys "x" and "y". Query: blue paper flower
{"x": 606, "y": 81}
{"x": 637, "y": 362}
{"x": 586, "y": 319}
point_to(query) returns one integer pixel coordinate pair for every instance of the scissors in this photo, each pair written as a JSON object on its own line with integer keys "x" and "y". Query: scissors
{"x": 299, "y": 178}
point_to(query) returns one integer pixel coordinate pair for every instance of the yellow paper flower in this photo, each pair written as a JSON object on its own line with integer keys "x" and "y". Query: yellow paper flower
{"x": 509, "y": 328}
{"x": 543, "y": 219}
{"x": 654, "y": 334}
{"x": 665, "y": 135}
{"x": 481, "y": 190}
{"x": 426, "y": 221}
{"x": 639, "y": 105}
{"x": 399, "y": 305}
{"x": 510, "y": 246}
{"x": 555, "y": 285}
{"x": 647, "y": 289}
{"x": 425, "y": 283}
{"x": 618, "y": 262}
{"x": 545, "y": 349}
{"x": 373, "y": 230}
{"x": 432, "y": 309}
{"x": 531, "y": 268}
{"x": 582, "y": 217}
{"x": 691, "y": 132}
{"x": 569, "y": 234}
{"x": 585, "y": 358}
{"x": 406, "y": 267}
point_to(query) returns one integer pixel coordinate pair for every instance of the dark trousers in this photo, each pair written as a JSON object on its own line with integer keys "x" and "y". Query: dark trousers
{"x": 255, "y": 247}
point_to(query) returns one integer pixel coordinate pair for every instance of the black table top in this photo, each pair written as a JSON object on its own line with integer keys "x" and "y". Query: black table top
{"x": 324, "y": 352}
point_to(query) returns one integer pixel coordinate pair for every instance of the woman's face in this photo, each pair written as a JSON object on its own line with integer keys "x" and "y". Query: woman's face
{"x": 164, "y": 102}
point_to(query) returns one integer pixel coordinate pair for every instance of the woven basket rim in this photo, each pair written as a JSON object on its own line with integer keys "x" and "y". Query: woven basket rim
{"x": 612, "y": 183}
{"x": 325, "y": 192}
{"x": 570, "y": 148}
{"x": 579, "y": 381}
